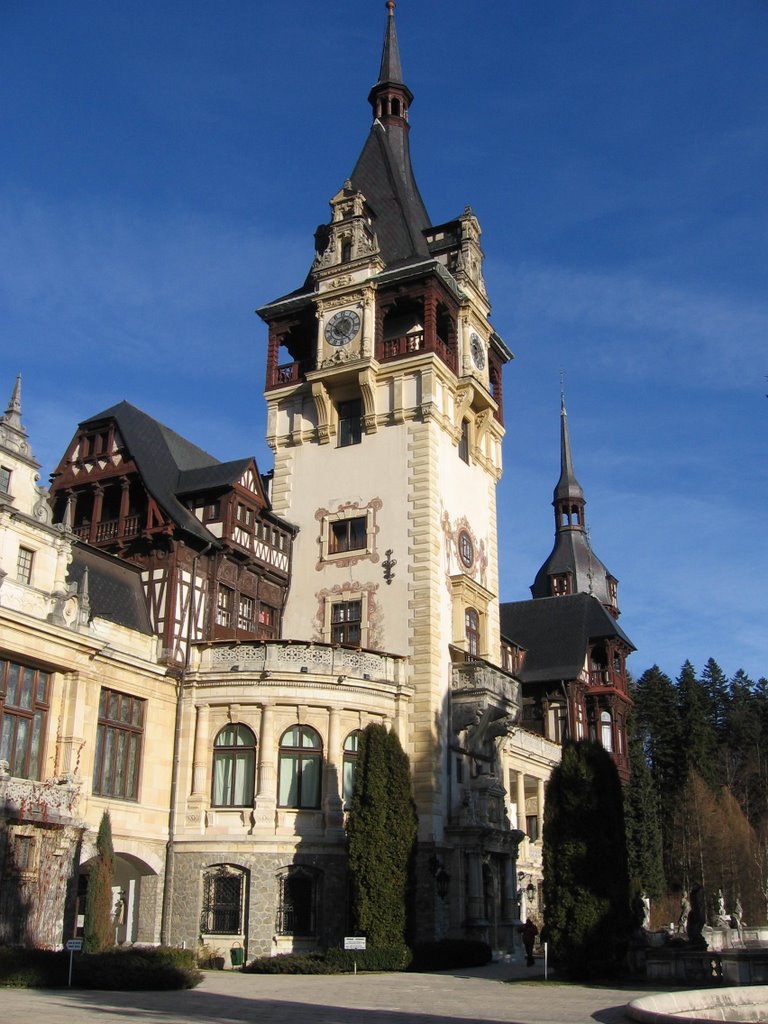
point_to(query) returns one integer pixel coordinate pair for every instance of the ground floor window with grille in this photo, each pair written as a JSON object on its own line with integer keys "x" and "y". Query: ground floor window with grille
{"x": 223, "y": 897}
{"x": 297, "y": 901}
{"x": 24, "y": 702}
{"x": 119, "y": 734}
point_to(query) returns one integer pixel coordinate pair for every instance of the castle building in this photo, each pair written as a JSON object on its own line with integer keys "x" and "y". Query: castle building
{"x": 208, "y": 643}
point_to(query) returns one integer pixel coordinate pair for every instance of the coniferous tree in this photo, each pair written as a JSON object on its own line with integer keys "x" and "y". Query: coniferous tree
{"x": 715, "y": 683}
{"x": 381, "y": 832}
{"x": 657, "y": 722}
{"x": 98, "y": 931}
{"x": 586, "y": 886}
{"x": 697, "y": 730}
{"x": 641, "y": 815}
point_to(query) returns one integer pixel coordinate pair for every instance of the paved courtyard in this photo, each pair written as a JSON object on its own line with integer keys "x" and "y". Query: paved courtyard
{"x": 452, "y": 998}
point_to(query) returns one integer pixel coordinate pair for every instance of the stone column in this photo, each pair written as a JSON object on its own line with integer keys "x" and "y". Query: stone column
{"x": 540, "y": 806}
{"x": 334, "y": 814}
{"x": 266, "y": 792}
{"x": 202, "y": 752}
{"x": 521, "y": 801}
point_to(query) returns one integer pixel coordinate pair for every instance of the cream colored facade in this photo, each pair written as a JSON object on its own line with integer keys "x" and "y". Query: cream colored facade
{"x": 51, "y": 816}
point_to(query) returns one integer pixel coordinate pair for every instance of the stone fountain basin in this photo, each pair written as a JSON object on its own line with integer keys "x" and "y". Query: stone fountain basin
{"x": 738, "y": 1004}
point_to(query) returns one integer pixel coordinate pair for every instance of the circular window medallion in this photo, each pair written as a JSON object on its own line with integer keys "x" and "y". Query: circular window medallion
{"x": 466, "y": 549}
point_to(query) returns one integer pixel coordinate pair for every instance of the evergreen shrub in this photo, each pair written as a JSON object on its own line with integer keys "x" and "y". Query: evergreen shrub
{"x": 131, "y": 969}
{"x": 377, "y": 958}
{"x": 289, "y": 963}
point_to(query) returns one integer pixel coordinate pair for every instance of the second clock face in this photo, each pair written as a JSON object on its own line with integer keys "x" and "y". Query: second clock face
{"x": 342, "y": 327}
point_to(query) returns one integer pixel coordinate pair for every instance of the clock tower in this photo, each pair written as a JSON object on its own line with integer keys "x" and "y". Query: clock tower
{"x": 385, "y": 417}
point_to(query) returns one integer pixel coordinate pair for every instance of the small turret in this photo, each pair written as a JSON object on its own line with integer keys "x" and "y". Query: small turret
{"x": 572, "y": 566}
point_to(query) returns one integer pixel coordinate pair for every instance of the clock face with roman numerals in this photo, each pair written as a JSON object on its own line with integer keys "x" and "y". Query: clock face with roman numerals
{"x": 477, "y": 351}
{"x": 342, "y": 327}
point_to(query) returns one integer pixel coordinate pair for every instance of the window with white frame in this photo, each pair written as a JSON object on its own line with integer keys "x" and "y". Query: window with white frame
{"x": 225, "y": 603}
{"x": 346, "y": 622}
{"x": 24, "y": 565}
{"x": 347, "y": 535}
{"x": 234, "y": 765}
{"x": 300, "y": 768}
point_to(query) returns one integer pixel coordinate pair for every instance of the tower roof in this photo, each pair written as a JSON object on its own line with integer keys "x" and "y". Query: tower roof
{"x": 383, "y": 172}
{"x": 572, "y": 566}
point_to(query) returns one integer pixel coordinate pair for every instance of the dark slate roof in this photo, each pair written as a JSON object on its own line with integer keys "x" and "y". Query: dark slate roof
{"x": 165, "y": 460}
{"x": 556, "y": 632}
{"x": 383, "y": 173}
{"x": 114, "y": 587}
{"x": 208, "y": 478}
{"x": 572, "y": 554}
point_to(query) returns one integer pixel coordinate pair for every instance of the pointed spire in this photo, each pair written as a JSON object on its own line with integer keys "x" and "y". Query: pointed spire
{"x": 12, "y": 417}
{"x": 568, "y": 487}
{"x": 391, "y": 97}
{"x": 390, "y": 70}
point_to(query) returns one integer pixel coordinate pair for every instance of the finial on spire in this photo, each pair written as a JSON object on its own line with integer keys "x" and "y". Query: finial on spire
{"x": 562, "y": 390}
{"x": 390, "y": 5}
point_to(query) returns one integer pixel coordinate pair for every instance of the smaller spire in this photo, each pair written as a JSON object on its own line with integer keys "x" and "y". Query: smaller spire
{"x": 568, "y": 487}
{"x": 12, "y": 417}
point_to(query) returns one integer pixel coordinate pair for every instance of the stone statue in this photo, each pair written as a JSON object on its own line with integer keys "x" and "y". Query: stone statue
{"x": 737, "y": 915}
{"x": 721, "y": 914}
{"x": 646, "y": 911}
{"x": 685, "y": 909}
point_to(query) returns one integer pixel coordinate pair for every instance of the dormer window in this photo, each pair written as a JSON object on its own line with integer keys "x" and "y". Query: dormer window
{"x": 561, "y": 584}
{"x": 346, "y": 250}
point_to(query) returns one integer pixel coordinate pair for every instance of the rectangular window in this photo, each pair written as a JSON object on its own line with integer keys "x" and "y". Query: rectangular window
{"x": 347, "y": 535}
{"x": 24, "y": 704}
{"x": 225, "y": 602}
{"x": 5, "y": 480}
{"x": 118, "y": 745}
{"x": 350, "y": 422}
{"x": 245, "y": 613}
{"x": 532, "y": 827}
{"x": 24, "y": 565}
{"x": 346, "y": 620}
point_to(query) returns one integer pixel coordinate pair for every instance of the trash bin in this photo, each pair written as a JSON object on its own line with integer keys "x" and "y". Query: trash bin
{"x": 237, "y": 955}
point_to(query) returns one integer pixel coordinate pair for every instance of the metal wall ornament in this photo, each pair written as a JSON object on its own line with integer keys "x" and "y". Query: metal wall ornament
{"x": 388, "y": 565}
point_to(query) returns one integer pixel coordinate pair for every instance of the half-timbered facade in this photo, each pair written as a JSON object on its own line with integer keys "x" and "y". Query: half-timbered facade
{"x": 215, "y": 559}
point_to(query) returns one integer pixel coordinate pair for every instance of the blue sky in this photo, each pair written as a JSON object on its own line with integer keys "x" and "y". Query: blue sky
{"x": 165, "y": 165}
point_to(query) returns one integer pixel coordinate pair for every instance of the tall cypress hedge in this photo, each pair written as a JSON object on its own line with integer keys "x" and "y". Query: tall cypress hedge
{"x": 99, "y": 929}
{"x": 586, "y": 886}
{"x": 382, "y": 833}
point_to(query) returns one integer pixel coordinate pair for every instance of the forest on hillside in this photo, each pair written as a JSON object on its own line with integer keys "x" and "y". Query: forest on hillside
{"x": 696, "y": 806}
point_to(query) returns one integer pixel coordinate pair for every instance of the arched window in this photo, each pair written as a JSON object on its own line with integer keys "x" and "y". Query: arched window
{"x": 472, "y": 631}
{"x": 297, "y": 900}
{"x": 301, "y": 762}
{"x": 223, "y": 892}
{"x": 606, "y": 730}
{"x": 351, "y": 746}
{"x": 234, "y": 760}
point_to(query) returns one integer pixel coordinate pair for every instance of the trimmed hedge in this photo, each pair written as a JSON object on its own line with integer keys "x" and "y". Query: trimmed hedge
{"x": 289, "y": 963}
{"x": 333, "y": 961}
{"x": 448, "y": 954}
{"x": 131, "y": 969}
